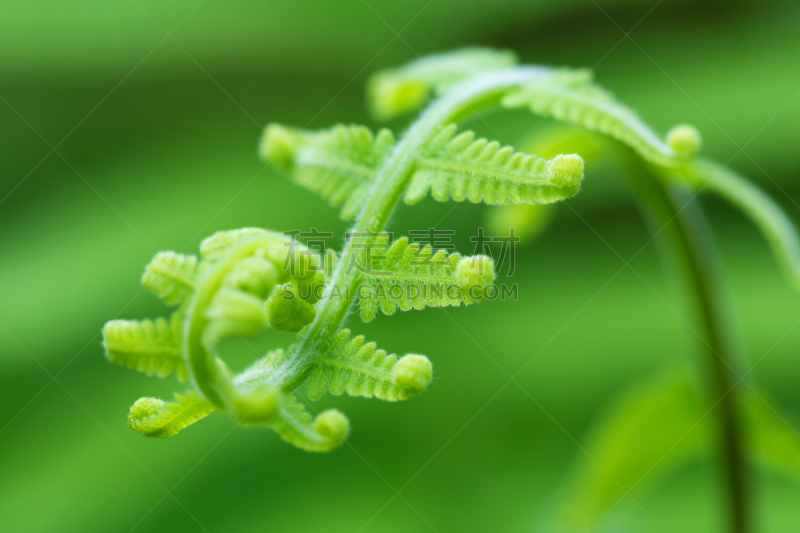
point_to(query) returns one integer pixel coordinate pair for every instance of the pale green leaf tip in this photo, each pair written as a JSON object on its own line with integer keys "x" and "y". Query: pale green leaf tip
{"x": 393, "y": 92}
{"x": 685, "y": 140}
{"x": 413, "y": 372}
{"x": 277, "y": 145}
{"x": 566, "y": 170}
{"x": 475, "y": 273}
{"x": 139, "y": 417}
{"x": 153, "y": 417}
{"x": 390, "y": 96}
{"x": 333, "y": 426}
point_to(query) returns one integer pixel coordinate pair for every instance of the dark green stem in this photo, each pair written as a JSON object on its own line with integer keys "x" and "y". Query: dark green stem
{"x": 678, "y": 217}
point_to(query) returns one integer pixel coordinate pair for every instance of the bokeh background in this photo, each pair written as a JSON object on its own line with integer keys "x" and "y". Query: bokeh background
{"x": 131, "y": 126}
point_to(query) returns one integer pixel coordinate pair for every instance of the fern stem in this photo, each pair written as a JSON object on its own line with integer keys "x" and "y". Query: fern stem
{"x": 476, "y": 93}
{"x": 692, "y": 249}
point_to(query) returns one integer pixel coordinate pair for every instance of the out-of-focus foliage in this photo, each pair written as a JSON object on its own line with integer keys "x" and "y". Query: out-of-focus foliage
{"x": 650, "y": 430}
{"x": 165, "y": 156}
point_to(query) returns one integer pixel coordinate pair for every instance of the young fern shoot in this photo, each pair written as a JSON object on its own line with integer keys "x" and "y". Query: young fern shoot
{"x": 250, "y": 279}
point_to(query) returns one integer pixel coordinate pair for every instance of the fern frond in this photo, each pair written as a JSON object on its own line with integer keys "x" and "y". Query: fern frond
{"x": 463, "y": 168}
{"x": 397, "y": 91}
{"x": 170, "y": 276}
{"x": 338, "y": 163}
{"x": 570, "y": 96}
{"x": 410, "y": 276}
{"x": 153, "y": 417}
{"x": 294, "y": 425}
{"x": 149, "y": 346}
{"x": 768, "y": 217}
{"x": 362, "y": 370}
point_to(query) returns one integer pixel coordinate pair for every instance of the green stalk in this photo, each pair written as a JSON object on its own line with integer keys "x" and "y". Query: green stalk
{"x": 691, "y": 249}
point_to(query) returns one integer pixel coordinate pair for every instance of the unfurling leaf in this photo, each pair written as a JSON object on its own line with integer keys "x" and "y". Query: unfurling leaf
{"x": 363, "y": 370}
{"x": 294, "y": 424}
{"x": 410, "y": 276}
{"x": 258, "y": 405}
{"x": 462, "y": 168}
{"x": 253, "y": 275}
{"x": 156, "y": 418}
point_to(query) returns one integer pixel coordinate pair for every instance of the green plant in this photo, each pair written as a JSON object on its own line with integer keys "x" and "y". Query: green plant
{"x": 250, "y": 279}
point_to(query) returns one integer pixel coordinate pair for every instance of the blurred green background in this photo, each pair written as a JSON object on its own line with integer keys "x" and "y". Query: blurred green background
{"x": 155, "y": 110}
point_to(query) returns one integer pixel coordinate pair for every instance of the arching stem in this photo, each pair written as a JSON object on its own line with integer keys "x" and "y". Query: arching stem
{"x": 678, "y": 216}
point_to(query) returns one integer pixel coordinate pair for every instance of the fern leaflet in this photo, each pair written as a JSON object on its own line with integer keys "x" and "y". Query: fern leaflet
{"x": 170, "y": 276}
{"x": 461, "y": 168}
{"x": 338, "y": 163}
{"x": 149, "y": 346}
{"x": 153, "y": 417}
{"x": 410, "y": 276}
{"x": 362, "y": 370}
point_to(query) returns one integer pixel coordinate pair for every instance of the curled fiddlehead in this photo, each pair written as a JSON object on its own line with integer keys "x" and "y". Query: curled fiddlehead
{"x": 325, "y": 432}
{"x": 153, "y": 417}
{"x": 225, "y": 295}
{"x": 251, "y": 279}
